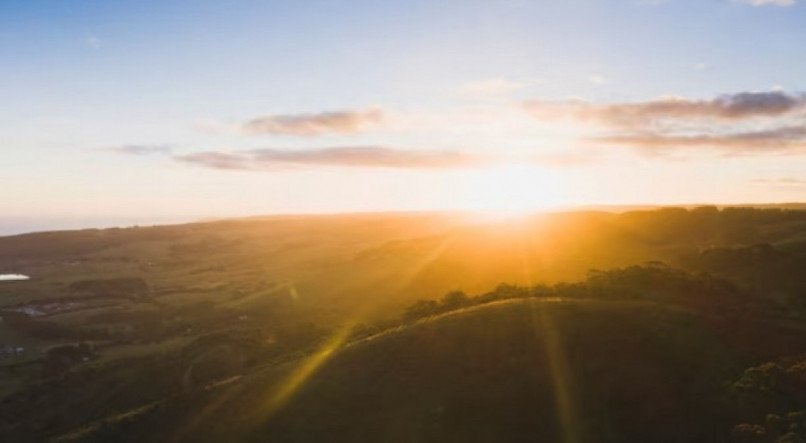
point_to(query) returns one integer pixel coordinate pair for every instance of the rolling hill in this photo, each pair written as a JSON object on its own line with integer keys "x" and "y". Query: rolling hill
{"x": 332, "y": 329}
{"x": 552, "y": 369}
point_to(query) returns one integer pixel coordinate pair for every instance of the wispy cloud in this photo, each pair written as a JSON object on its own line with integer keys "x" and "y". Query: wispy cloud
{"x": 140, "y": 149}
{"x": 787, "y": 181}
{"x": 779, "y": 140}
{"x": 735, "y": 124}
{"x": 767, "y": 2}
{"x": 738, "y": 106}
{"x": 349, "y": 156}
{"x": 313, "y": 124}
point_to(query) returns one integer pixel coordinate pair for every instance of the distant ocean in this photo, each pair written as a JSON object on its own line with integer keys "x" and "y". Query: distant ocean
{"x": 23, "y": 225}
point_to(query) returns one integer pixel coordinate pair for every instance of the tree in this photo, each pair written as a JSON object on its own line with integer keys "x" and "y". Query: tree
{"x": 420, "y": 309}
{"x": 454, "y": 300}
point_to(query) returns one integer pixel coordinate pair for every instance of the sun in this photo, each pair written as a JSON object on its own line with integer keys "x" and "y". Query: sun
{"x": 512, "y": 190}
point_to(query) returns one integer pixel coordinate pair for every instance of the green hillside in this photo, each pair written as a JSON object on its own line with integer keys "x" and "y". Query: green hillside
{"x": 513, "y": 365}
{"x": 685, "y": 323}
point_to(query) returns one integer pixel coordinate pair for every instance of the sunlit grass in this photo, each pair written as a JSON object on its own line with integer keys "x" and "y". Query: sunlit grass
{"x": 308, "y": 366}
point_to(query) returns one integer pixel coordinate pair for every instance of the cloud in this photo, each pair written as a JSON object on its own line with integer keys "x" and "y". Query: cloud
{"x": 743, "y": 105}
{"x": 733, "y": 124}
{"x": 335, "y": 122}
{"x": 779, "y": 140}
{"x": 350, "y": 156}
{"x": 766, "y": 2}
{"x": 779, "y": 181}
{"x": 140, "y": 149}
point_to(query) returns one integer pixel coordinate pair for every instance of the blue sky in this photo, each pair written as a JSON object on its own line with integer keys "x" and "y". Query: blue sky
{"x": 81, "y": 83}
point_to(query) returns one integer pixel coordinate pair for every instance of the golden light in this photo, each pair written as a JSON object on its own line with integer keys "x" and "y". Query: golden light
{"x": 512, "y": 190}
{"x": 279, "y": 395}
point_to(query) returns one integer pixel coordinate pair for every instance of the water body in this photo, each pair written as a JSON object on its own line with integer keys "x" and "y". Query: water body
{"x": 13, "y": 277}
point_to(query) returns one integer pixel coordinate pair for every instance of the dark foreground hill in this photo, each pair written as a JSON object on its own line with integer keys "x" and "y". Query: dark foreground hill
{"x": 574, "y": 370}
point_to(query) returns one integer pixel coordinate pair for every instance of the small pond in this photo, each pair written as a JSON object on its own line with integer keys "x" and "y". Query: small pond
{"x": 13, "y": 277}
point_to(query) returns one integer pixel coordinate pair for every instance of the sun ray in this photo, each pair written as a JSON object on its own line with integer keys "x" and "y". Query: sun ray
{"x": 280, "y": 394}
{"x": 308, "y": 366}
{"x": 546, "y": 329}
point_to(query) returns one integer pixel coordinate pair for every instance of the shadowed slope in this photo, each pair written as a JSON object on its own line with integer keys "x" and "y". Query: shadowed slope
{"x": 630, "y": 371}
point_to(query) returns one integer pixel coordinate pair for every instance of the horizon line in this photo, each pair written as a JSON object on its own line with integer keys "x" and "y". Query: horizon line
{"x": 64, "y": 224}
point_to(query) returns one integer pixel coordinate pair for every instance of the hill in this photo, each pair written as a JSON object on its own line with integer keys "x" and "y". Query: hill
{"x": 517, "y": 370}
{"x": 521, "y": 364}
{"x": 139, "y": 333}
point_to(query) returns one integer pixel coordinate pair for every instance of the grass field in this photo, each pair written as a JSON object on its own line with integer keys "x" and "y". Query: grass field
{"x": 302, "y": 318}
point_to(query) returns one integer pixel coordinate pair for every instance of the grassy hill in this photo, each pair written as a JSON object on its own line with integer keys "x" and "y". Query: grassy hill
{"x": 332, "y": 328}
{"x": 514, "y": 370}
